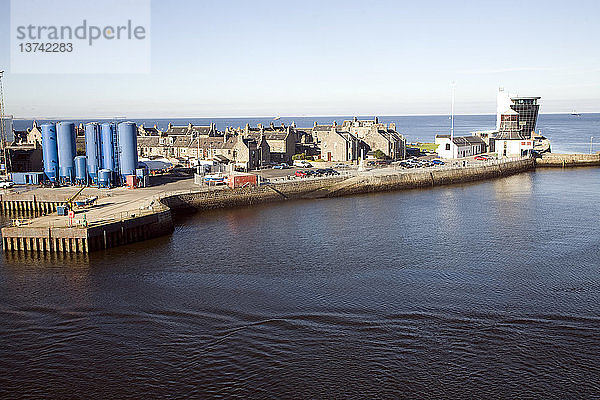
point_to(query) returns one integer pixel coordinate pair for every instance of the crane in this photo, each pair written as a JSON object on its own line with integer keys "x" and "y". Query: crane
{"x": 71, "y": 200}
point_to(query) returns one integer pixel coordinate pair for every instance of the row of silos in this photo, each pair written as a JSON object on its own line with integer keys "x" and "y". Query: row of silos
{"x": 111, "y": 154}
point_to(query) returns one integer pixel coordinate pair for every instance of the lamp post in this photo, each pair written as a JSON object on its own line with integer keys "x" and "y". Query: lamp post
{"x": 591, "y": 143}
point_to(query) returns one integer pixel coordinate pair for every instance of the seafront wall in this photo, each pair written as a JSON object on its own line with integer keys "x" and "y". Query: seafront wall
{"x": 556, "y": 160}
{"x": 433, "y": 177}
{"x": 213, "y": 199}
{"x": 335, "y": 187}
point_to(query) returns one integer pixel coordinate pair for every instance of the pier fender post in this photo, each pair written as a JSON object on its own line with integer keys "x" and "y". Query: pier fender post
{"x": 432, "y": 180}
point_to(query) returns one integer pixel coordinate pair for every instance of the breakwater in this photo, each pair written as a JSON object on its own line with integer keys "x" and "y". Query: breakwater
{"x": 555, "y": 160}
{"x": 379, "y": 181}
{"x": 127, "y": 222}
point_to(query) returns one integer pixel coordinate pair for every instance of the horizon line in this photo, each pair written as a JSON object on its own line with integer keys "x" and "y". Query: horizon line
{"x": 271, "y": 117}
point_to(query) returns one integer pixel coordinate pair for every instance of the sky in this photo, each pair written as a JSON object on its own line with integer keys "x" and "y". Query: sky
{"x": 318, "y": 58}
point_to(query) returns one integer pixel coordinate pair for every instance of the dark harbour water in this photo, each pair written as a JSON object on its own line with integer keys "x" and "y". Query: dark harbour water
{"x": 484, "y": 290}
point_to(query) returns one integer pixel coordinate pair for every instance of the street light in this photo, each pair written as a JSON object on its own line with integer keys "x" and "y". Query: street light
{"x": 591, "y": 143}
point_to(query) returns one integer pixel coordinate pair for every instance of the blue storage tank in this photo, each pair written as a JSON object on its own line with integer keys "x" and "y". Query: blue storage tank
{"x": 104, "y": 177}
{"x": 92, "y": 149}
{"x": 107, "y": 138}
{"x": 128, "y": 156}
{"x": 81, "y": 169}
{"x": 50, "y": 151}
{"x": 65, "y": 133}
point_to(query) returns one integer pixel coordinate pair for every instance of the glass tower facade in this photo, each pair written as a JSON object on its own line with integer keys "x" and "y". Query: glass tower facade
{"x": 528, "y": 108}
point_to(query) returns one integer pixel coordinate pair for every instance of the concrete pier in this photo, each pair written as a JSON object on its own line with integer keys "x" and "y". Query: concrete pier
{"x": 119, "y": 217}
{"x": 80, "y": 239}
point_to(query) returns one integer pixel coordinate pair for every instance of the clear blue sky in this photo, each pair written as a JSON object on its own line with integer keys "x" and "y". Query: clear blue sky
{"x": 263, "y": 58}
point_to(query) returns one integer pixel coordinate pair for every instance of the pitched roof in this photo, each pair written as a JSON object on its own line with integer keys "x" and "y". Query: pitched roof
{"x": 177, "y": 130}
{"x": 215, "y": 142}
{"x": 322, "y": 128}
{"x": 468, "y": 140}
{"x": 269, "y": 135}
{"x": 202, "y": 130}
{"x": 391, "y": 135}
{"x": 150, "y": 129}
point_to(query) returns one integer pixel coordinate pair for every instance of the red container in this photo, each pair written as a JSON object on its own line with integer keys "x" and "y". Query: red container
{"x": 241, "y": 180}
{"x": 132, "y": 181}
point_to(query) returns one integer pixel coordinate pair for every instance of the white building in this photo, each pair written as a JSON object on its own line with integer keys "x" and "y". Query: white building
{"x": 510, "y": 141}
{"x": 512, "y": 144}
{"x": 459, "y": 146}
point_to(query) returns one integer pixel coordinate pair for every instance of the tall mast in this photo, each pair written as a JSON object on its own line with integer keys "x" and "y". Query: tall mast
{"x": 452, "y": 116}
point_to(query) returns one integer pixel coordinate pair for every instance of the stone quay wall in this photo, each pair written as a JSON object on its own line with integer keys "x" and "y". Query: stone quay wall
{"x": 334, "y": 187}
{"x": 556, "y": 160}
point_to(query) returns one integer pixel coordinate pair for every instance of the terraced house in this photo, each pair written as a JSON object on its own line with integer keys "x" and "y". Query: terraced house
{"x": 337, "y": 145}
{"x": 281, "y": 140}
{"x": 244, "y": 153}
{"x": 348, "y": 141}
{"x": 378, "y": 136}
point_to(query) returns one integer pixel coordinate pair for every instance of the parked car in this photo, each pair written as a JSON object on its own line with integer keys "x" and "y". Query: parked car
{"x": 437, "y": 162}
{"x": 326, "y": 172}
{"x": 281, "y": 166}
{"x": 6, "y": 184}
{"x": 341, "y": 166}
{"x": 382, "y": 162}
{"x": 302, "y": 164}
{"x": 301, "y": 173}
{"x": 481, "y": 158}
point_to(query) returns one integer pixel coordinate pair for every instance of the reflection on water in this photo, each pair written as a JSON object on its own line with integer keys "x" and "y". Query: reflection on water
{"x": 483, "y": 290}
{"x": 30, "y": 259}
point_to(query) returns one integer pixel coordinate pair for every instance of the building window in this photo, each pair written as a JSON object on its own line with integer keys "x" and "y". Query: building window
{"x": 447, "y": 146}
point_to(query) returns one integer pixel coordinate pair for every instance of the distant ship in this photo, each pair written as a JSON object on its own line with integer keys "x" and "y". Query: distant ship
{"x": 575, "y": 113}
{"x": 277, "y": 118}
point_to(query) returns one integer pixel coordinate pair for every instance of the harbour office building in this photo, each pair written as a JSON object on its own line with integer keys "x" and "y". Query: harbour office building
{"x": 526, "y": 107}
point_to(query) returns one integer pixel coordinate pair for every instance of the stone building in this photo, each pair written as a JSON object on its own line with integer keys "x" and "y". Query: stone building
{"x": 378, "y": 136}
{"x": 245, "y": 153}
{"x": 25, "y": 151}
{"x": 281, "y": 140}
{"x": 346, "y": 142}
{"x": 337, "y": 145}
